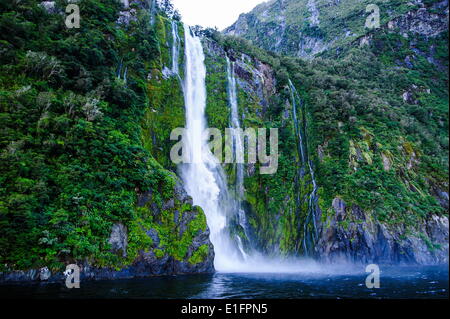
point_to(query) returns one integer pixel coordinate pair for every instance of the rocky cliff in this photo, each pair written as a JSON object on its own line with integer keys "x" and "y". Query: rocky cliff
{"x": 371, "y": 227}
{"x": 365, "y": 226}
{"x": 177, "y": 243}
{"x": 306, "y": 28}
{"x": 353, "y": 235}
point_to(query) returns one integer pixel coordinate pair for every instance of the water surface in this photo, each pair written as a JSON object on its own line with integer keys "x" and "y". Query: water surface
{"x": 396, "y": 282}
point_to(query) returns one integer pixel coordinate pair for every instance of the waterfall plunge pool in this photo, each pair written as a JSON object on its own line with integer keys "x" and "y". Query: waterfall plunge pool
{"x": 396, "y": 282}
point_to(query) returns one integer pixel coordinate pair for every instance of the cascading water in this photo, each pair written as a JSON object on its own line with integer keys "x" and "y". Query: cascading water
{"x": 203, "y": 177}
{"x": 175, "y": 48}
{"x": 153, "y": 8}
{"x": 238, "y": 150}
{"x": 309, "y": 237}
{"x": 125, "y": 75}
{"x": 205, "y": 180}
{"x": 119, "y": 70}
{"x": 235, "y": 124}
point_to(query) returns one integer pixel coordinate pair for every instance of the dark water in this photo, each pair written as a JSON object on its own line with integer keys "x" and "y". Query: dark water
{"x": 396, "y": 282}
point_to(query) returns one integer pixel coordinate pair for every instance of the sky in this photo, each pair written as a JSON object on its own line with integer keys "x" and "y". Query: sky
{"x": 212, "y": 13}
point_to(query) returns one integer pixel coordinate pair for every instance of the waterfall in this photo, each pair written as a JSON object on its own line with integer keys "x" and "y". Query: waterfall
{"x": 175, "y": 48}
{"x": 153, "y": 8}
{"x": 237, "y": 142}
{"x": 238, "y": 150}
{"x": 301, "y": 143}
{"x": 119, "y": 71}
{"x": 125, "y": 75}
{"x": 309, "y": 237}
{"x": 203, "y": 177}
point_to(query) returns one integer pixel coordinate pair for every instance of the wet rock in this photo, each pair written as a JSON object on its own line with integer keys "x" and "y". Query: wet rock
{"x": 144, "y": 198}
{"x": 127, "y": 16}
{"x": 44, "y": 274}
{"x": 169, "y": 204}
{"x": 386, "y": 162}
{"x": 339, "y": 207}
{"x": 119, "y": 239}
{"x": 166, "y": 73}
{"x": 18, "y": 276}
{"x": 153, "y": 234}
{"x": 181, "y": 194}
{"x": 442, "y": 197}
{"x": 257, "y": 79}
{"x": 422, "y": 21}
{"x": 363, "y": 239}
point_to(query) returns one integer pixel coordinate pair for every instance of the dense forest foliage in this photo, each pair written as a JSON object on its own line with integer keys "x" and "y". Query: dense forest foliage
{"x": 72, "y": 157}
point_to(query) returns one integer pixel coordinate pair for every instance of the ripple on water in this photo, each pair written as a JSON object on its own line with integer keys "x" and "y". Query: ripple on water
{"x": 396, "y": 282}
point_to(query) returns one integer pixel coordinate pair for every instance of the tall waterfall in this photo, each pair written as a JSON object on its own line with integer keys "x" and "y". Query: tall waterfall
{"x": 309, "y": 227}
{"x": 153, "y": 8}
{"x": 238, "y": 147}
{"x": 204, "y": 178}
{"x": 175, "y": 48}
{"x": 238, "y": 150}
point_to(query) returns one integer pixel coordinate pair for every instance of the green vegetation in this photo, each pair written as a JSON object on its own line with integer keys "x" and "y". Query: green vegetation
{"x": 73, "y": 153}
{"x": 377, "y": 127}
{"x": 285, "y": 27}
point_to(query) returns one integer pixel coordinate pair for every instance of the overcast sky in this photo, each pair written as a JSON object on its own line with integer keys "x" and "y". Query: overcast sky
{"x": 211, "y": 13}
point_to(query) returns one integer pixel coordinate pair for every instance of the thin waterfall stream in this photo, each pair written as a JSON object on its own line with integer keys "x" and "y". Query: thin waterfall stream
{"x": 309, "y": 237}
{"x": 175, "y": 48}
{"x": 238, "y": 150}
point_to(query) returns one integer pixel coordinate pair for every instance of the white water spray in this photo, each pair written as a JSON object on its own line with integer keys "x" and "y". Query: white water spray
{"x": 204, "y": 179}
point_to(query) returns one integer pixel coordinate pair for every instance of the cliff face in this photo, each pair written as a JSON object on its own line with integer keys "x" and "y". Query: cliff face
{"x": 177, "y": 243}
{"x": 268, "y": 204}
{"x": 306, "y": 28}
{"x": 276, "y": 212}
{"x": 353, "y": 235}
{"x": 379, "y": 200}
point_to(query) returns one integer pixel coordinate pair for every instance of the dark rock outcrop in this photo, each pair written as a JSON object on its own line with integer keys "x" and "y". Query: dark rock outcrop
{"x": 353, "y": 235}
